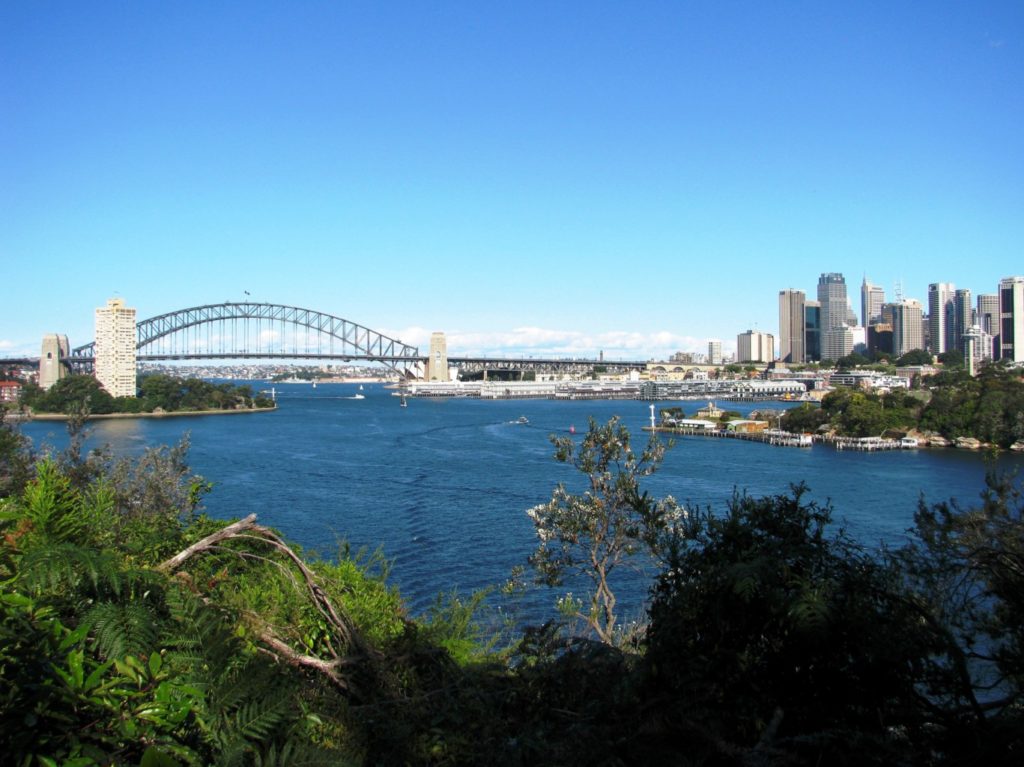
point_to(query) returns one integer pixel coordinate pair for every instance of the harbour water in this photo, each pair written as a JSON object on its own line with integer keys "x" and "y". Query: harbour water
{"x": 442, "y": 486}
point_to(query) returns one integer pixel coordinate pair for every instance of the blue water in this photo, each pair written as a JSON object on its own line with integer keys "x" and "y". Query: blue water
{"x": 442, "y": 486}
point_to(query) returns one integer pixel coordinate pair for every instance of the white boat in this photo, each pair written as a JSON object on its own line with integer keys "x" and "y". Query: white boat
{"x": 908, "y": 443}
{"x": 404, "y": 403}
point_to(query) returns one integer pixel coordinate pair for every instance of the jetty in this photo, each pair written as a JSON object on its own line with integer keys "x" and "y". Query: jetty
{"x": 775, "y": 437}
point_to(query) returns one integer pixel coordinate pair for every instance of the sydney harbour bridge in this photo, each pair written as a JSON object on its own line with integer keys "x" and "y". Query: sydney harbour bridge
{"x": 263, "y": 331}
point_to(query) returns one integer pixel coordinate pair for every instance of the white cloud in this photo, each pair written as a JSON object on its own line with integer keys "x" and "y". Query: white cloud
{"x": 548, "y": 342}
{"x": 9, "y": 348}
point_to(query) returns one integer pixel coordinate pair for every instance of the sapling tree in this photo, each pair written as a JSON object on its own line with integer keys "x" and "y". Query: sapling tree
{"x": 609, "y": 525}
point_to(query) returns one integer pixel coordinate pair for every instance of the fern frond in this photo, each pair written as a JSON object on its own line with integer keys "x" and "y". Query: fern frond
{"x": 123, "y": 629}
{"x": 69, "y": 568}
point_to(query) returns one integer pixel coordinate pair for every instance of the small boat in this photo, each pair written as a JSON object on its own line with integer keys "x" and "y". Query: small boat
{"x": 522, "y": 420}
{"x": 360, "y": 387}
{"x": 357, "y": 396}
{"x": 314, "y": 384}
{"x": 404, "y": 403}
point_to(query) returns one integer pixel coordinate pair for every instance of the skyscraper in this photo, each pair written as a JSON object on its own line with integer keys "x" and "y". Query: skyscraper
{"x": 115, "y": 348}
{"x": 791, "y": 325}
{"x": 988, "y": 312}
{"x": 812, "y": 330}
{"x": 714, "y": 352}
{"x": 907, "y": 327}
{"x": 962, "y": 318}
{"x": 988, "y": 321}
{"x": 836, "y": 339}
{"x": 871, "y": 299}
{"x": 940, "y": 316}
{"x": 832, "y": 297}
{"x": 1011, "y": 319}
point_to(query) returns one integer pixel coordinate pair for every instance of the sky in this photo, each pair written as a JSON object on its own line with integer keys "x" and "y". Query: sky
{"x": 544, "y": 178}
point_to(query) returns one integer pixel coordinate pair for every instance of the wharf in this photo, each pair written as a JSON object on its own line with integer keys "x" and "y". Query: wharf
{"x": 774, "y": 437}
{"x": 866, "y": 444}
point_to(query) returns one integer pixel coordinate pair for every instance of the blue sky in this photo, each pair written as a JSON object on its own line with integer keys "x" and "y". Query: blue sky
{"x": 548, "y": 177}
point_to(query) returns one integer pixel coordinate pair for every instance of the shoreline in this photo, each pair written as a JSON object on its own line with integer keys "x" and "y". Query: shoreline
{"x": 171, "y": 414}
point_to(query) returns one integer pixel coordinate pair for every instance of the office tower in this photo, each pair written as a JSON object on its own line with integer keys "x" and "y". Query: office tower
{"x": 836, "y": 339}
{"x": 832, "y": 298}
{"x": 714, "y": 352}
{"x": 988, "y": 312}
{"x": 871, "y": 299}
{"x": 115, "y": 348}
{"x": 880, "y": 336}
{"x": 1011, "y": 319}
{"x": 940, "y": 316}
{"x": 962, "y": 319}
{"x": 907, "y": 327}
{"x": 812, "y": 330}
{"x": 753, "y": 346}
{"x": 437, "y": 362}
{"x": 791, "y": 325}
{"x": 836, "y": 343}
{"x": 52, "y": 367}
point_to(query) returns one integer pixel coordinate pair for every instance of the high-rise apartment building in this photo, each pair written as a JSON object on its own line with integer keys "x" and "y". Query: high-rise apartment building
{"x": 753, "y": 346}
{"x": 871, "y": 299}
{"x": 907, "y": 327}
{"x": 1011, "y": 319}
{"x": 791, "y": 325}
{"x": 714, "y": 352}
{"x": 115, "y": 348}
{"x": 941, "y": 314}
{"x": 52, "y": 367}
{"x": 812, "y": 330}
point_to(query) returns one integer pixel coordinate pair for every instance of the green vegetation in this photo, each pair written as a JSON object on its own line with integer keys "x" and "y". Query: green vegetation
{"x": 915, "y": 357}
{"x": 988, "y": 407}
{"x": 136, "y": 631}
{"x": 83, "y": 393}
{"x": 594, "y": 533}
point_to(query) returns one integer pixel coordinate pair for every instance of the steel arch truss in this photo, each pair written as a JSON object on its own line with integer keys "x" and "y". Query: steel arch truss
{"x": 344, "y": 339}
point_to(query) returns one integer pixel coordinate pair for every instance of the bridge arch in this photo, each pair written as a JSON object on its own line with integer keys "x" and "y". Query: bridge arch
{"x": 261, "y": 330}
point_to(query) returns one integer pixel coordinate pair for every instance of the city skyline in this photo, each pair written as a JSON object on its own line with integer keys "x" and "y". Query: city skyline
{"x": 529, "y": 180}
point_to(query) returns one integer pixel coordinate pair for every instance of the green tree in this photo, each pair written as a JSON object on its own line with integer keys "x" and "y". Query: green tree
{"x": 966, "y": 569}
{"x": 15, "y": 459}
{"x": 73, "y": 394}
{"x": 915, "y": 357}
{"x": 772, "y": 640}
{"x": 804, "y": 418}
{"x": 852, "y": 360}
{"x": 952, "y": 359}
{"x": 612, "y": 521}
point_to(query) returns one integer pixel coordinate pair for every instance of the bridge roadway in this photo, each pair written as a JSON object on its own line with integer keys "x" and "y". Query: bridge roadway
{"x": 467, "y": 364}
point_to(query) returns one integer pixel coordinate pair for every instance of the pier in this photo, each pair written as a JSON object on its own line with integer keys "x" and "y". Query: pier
{"x": 775, "y": 437}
